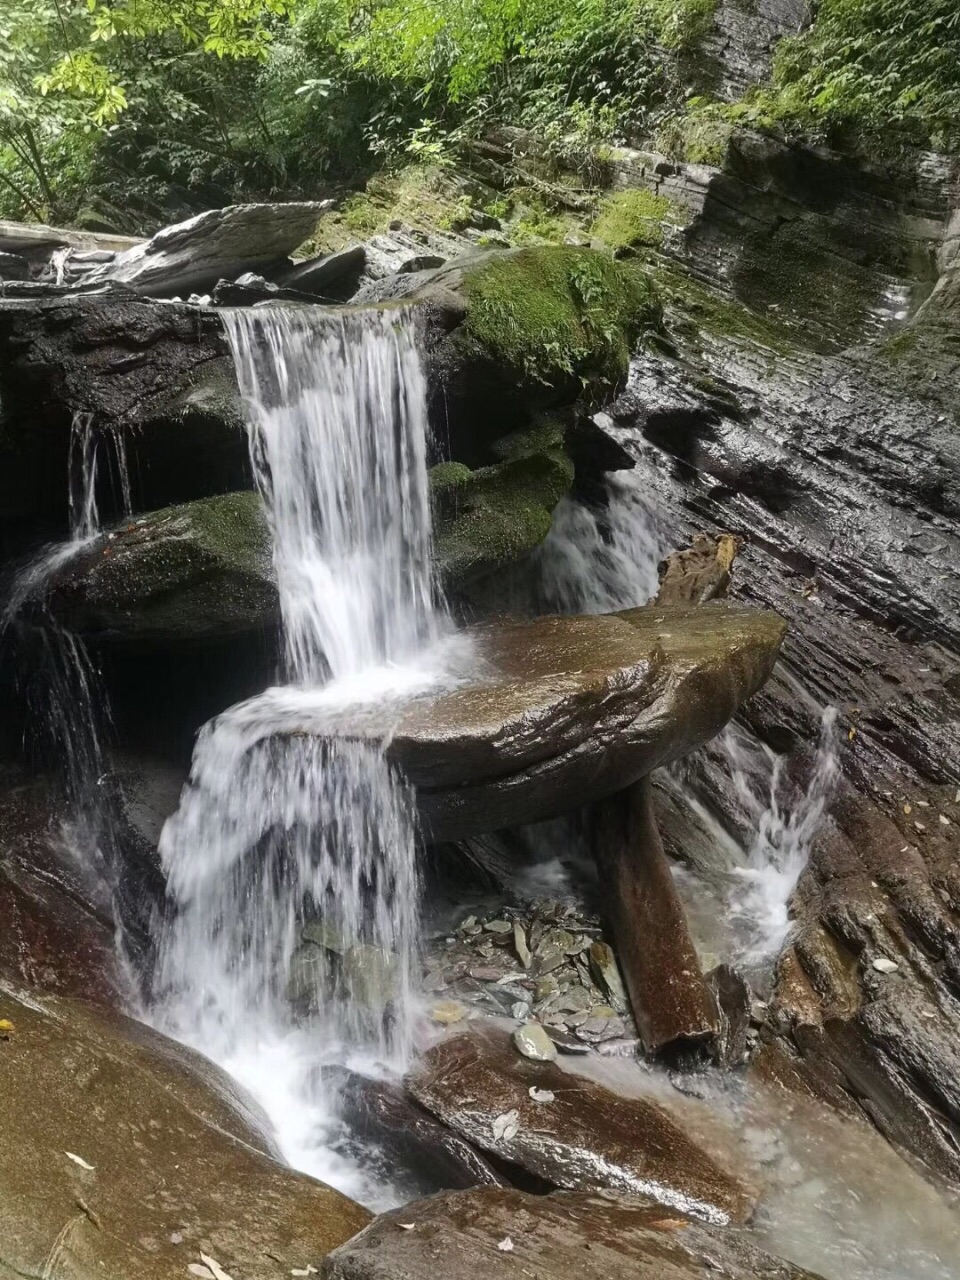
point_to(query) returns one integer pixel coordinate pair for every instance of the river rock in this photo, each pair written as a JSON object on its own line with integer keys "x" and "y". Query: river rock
{"x": 411, "y": 1139}
{"x": 336, "y": 275}
{"x": 191, "y": 572}
{"x": 571, "y": 709}
{"x": 674, "y": 1008}
{"x": 191, "y": 256}
{"x": 125, "y": 1154}
{"x": 534, "y": 1043}
{"x": 586, "y": 1139}
{"x": 504, "y": 1234}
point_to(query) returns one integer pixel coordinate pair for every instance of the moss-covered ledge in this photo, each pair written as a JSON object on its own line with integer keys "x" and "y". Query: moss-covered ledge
{"x": 492, "y": 517}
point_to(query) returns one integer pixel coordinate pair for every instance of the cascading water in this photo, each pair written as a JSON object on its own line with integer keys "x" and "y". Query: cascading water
{"x": 70, "y": 712}
{"x": 760, "y": 897}
{"x": 291, "y": 861}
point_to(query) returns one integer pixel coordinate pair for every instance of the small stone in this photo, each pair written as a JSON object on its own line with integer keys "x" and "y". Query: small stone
{"x": 577, "y": 1019}
{"x": 884, "y": 965}
{"x": 499, "y": 926}
{"x": 549, "y": 960}
{"x": 920, "y": 826}
{"x": 520, "y": 945}
{"x": 521, "y": 1011}
{"x": 573, "y": 1001}
{"x": 448, "y": 1011}
{"x": 603, "y": 967}
{"x": 944, "y": 820}
{"x": 908, "y": 808}
{"x": 485, "y": 973}
{"x": 533, "y": 1042}
{"x": 569, "y": 1044}
{"x": 506, "y": 1126}
{"x": 541, "y": 1095}
{"x": 546, "y": 988}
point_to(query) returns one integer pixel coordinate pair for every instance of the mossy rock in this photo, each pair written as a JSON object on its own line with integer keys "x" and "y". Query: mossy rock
{"x": 191, "y": 572}
{"x": 635, "y": 219}
{"x": 558, "y": 315}
{"x": 492, "y": 517}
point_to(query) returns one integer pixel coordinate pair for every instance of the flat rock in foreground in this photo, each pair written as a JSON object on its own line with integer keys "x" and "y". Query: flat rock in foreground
{"x": 498, "y": 1233}
{"x": 570, "y": 709}
{"x": 586, "y": 1138}
{"x": 125, "y": 1155}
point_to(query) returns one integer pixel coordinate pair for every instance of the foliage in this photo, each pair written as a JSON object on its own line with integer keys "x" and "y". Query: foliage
{"x": 876, "y": 64}
{"x": 556, "y": 313}
{"x": 160, "y": 107}
{"x": 630, "y": 219}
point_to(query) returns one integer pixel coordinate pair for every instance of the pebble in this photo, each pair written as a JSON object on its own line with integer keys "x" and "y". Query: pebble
{"x": 533, "y": 1042}
{"x": 448, "y": 1011}
{"x": 521, "y": 1011}
{"x": 499, "y": 926}
{"x": 520, "y": 945}
{"x": 549, "y": 960}
{"x": 567, "y": 1043}
{"x": 483, "y": 973}
{"x": 883, "y": 965}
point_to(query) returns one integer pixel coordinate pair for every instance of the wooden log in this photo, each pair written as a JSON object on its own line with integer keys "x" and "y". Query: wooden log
{"x": 673, "y": 1006}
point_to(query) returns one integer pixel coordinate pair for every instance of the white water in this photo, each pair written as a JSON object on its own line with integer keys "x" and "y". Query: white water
{"x": 277, "y": 829}
{"x": 760, "y": 897}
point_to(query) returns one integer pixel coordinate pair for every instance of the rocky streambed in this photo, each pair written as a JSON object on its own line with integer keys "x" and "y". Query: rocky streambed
{"x": 685, "y": 997}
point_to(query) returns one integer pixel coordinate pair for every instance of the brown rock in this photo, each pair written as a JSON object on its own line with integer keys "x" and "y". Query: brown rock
{"x": 587, "y": 1139}
{"x": 178, "y": 1164}
{"x": 700, "y": 573}
{"x": 564, "y": 1236}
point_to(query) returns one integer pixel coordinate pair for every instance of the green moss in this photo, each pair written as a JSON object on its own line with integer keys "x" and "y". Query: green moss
{"x": 900, "y": 347}
{"x": 556, "y": 314}
{"x": 492, "y": 517}
{"x": 629, "y": 219}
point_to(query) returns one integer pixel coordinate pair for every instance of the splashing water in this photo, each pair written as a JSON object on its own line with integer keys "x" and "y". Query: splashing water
{"x": 594, "y": 562}
{"x": 759, "y": 900}
{"x": 291, "y": 860}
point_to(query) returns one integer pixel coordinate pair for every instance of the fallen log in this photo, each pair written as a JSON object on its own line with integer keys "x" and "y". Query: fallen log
{"x": 672, "y": 1004}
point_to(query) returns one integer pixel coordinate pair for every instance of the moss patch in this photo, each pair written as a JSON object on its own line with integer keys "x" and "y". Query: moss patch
{"x": 633, "y": 219}
{"x": 490, "y": 518}
{"x": 552, "y": 315}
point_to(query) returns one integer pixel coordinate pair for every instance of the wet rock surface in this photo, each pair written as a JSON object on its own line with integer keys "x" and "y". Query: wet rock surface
{"x": 571, "y": 707}
{"x": 125, "y": 1154}
{"x": 191, "y": 572}
{"x": 569, "y": 1131}
{"x": 503, "y": 1232}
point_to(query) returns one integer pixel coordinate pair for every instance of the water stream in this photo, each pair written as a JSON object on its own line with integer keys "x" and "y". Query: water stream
{"x": 291, "y": 861}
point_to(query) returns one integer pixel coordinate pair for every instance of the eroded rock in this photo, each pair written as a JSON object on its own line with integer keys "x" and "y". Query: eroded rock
{"x": 504, "y": 1234}
{"x": 586, "y": 1139}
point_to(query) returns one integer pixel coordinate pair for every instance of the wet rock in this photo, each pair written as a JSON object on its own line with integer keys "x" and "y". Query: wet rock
{"x": 534, "y": 1043}
{"x": 195, "y": 571}
{"x": 380, "y": 1112}
{"x": 13, "y": 266}
{"x": 603, "y": 966}
{"x": 520, "y": 945}
{"x": 192, "y": 256}
{"x": 159, "y": 373}
{"x": 673, "y": 1006}
{"x": 335, "y": 275}
{"x": 553, "y": 1237}
{"x": 700, "y": 573}
{"x": 164, "y": 1133}
{"x": 734, "y": 1001}
{"x": 572, "y": 707}
{"x": 589, "y": 1138}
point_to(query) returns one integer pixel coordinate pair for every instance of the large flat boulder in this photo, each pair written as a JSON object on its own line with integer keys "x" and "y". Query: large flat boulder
{"x": 583, "y": 1138}
{"x": 567, "y": 710}
{"x": 126, "y": 1155}
{"x": 498, "y": 1233}
{"x": 193, "y": 255}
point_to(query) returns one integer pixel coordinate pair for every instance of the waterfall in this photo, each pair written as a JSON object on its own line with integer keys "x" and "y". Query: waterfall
{"x": 291, "y": 861}
{"x": 759, "y": 900}
{"x": 69, "y": 711}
